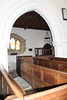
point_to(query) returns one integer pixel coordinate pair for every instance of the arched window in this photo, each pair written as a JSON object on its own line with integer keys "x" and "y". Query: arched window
{"x": 17, "y": 44}
{"x": 14, "y": 44}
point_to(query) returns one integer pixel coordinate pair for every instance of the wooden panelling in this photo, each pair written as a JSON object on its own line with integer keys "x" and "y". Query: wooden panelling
{"x": 49, "y": 78}
{"x": 53, "y": 64}
{"x": 41, "y": 76}
{"x": 37, "y": 74}
{"x": 4, "y": 87}
{"x": 29, "y": 79}
{"x": 59, "y": 93}
{"x": 23, "y": 74}
{"x": 8, "y": 85}
{"x": 38, "y": 77}
{"x": 58, "y": 59}
{"x": 36, "y": 84}
{"x": 62, "y": 80}
{"x": 28, "y": 59}
{"x": 29, "y": 70}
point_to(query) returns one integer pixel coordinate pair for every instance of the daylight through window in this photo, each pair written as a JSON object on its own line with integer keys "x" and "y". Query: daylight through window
{"x": 14, "y": 44}
{"x": 17, "y": 44}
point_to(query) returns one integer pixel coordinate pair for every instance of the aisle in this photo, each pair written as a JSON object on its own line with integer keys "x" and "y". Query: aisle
{"x": 13, "y": 73}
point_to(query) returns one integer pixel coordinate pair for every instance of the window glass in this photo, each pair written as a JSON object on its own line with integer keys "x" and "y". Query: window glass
{"x": 17, "y": 45}
{"x": 12, "y": 44}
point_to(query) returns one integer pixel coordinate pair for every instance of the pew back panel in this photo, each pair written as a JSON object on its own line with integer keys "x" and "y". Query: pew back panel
{"x": 58, "y": 93}
{"x": 39, "y": 76}
{"x": 28, "y": 59}
{"x": 58, "y": 59}
{"x": 53, "y": 64}
{"x": 10, "y": 87}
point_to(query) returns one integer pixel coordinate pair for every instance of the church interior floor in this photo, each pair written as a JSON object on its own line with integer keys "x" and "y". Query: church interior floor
{"x": 13, "y": 73}
{"x": 19, "y": 80}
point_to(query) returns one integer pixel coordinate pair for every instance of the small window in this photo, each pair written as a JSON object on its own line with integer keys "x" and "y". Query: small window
{"x": 17, "y": 44}
{"x": 12, "y": 44}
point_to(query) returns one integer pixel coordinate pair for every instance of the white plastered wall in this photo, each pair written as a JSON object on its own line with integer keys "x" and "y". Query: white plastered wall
{"x": 50, "y": 10}
{"x": 34, "y": 39}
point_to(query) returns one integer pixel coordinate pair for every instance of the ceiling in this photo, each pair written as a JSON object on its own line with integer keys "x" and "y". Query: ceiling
{"x": 31, "y": 20}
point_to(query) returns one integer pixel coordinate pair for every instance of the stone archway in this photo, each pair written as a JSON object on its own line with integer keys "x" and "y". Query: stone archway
{"x": 21, "y": 7}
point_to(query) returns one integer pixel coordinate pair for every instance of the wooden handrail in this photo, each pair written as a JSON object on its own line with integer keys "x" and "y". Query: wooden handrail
{"x": 49, "y": 60}
{"x": 50, "y": 94}
{"x": 17, "y": 90}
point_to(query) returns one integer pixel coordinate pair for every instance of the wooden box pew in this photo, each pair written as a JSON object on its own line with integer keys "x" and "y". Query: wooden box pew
{"x": 14, "y": 92}
{"x": 39, "y": 76}
{"x": 28, "y": 59}
{"x": 53, "y": 64}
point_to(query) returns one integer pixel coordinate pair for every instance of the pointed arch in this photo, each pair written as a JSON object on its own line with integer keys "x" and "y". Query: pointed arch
{"x": 18, "y": 7}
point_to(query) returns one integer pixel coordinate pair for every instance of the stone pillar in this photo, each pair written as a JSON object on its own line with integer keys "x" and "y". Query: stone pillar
{"x": 60, "y": 49}
{"x": 4, "y": 56}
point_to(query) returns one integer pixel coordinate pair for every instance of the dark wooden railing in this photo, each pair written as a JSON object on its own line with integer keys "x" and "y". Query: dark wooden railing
{"x": 38, "y": 77}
